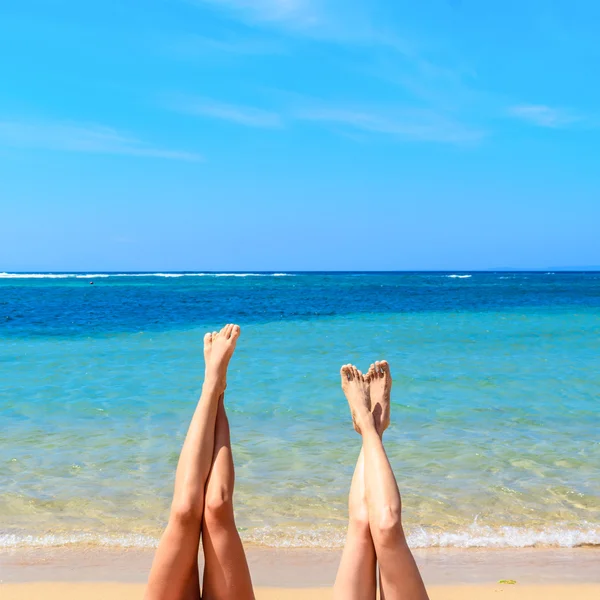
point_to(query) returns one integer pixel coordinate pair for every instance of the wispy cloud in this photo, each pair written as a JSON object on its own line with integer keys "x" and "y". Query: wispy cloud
{"x": 417, "y": 125}
{"x": 442, "y": 89}
{"x": 406, "y": 124}
{"x": 234, "y": 113}
{"x": 338, "y": 21}
{"x": 197, "y": 46}
{"x": 84, "y": 138}
{"x": 268, "y": 10}
{"x": 543, "y": 116}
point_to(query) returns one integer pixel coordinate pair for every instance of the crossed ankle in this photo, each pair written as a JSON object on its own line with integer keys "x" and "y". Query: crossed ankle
{"x": 366, "y": 422}
{"x": 214, "y": 382}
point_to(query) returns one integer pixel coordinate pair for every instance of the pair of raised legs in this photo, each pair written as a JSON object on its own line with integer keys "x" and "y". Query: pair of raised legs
{"x": 375, "y": 534}
{"x": 202, "y": 508}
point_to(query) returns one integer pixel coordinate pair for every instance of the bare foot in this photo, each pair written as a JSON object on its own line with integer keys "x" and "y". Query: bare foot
{"x": 356, "y": 390}
{"x": 379, "y": 379}
{"x": 218, "y": 349}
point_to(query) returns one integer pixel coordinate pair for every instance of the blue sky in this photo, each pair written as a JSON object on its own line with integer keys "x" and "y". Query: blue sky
{"x": 299, "y": 134}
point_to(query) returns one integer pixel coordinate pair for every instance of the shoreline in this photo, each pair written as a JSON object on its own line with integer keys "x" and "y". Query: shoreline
{"x": 483, "y": 537}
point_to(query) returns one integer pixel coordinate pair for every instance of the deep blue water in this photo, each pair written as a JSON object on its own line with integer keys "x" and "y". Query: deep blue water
{"x": 71, "y": 306}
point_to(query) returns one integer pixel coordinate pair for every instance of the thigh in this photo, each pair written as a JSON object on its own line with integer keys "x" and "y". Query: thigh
{"x": 355, "y": 579}
{"x": 174, "y": 566}
{"x": 192, "y": 591}
{"x": 226, "y": 572}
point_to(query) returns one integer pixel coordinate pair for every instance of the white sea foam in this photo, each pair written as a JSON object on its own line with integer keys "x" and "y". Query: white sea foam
{"x": 296, "y": 537}
{"x": 506, "y": 537}
{"x": 50, "y": 540}
{"x": 35, "y": 276}
{"x": 100, "y": 275}
{"x": 151, "y": 274}
{"x": 247, "y": 274}
{"x": 293, "y": 537}
{"x": 459, "y": 276}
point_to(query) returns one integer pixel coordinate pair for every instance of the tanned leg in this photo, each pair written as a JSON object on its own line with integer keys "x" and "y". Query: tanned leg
{"x": 356, "y": 577}
{"x": 226, "y": 573}
{"x": 174, "y": 571}
{"x": 399, "y": 575}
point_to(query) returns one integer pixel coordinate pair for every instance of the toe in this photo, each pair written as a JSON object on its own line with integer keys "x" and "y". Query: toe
{"x": 228, "y": 329}
{"x": 385, "y": 367}
{"x": 346, "y": 372}
{"x": 235, "y": 332}
{"x": 208, "y": 339}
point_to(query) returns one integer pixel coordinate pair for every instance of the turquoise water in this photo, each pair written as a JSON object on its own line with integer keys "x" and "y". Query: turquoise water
{"x": 494, "y": 435}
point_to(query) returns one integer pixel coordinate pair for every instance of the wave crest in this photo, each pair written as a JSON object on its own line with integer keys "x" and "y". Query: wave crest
{"x": 330, "y": 537}
{"x": 100, "y": 275}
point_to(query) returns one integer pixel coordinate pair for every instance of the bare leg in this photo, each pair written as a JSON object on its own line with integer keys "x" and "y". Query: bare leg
{"x": 369, "y": 403}
{"x": 356, "y": 578}
{"x": 174, "y": 571}
{"x": 226, "y": 573}
{"x": 399, "y": 575}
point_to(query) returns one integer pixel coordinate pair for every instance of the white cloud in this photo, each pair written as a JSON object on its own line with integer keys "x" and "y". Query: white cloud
{"x": 395, "y": 57}
{"x": 242, "y": 115}
{"x": 74, "y": 137}
{"x": 338, "y": 21}
{"x": 418, "y": 125}
{"x": 408, "y": 124}
{"x": 542, "y": 115}
{"x": 268, "y": 10}
{"x": 197, "y": 46}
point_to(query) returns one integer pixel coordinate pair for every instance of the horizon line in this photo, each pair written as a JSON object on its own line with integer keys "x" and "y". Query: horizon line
{"x": 582, "y": 269}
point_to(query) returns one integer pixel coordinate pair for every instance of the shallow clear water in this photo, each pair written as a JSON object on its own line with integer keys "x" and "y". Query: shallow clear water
{"x": 495, "y": 412}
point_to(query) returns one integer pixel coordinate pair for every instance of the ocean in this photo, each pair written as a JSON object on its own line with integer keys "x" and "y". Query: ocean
{"x": 495, "y": 417}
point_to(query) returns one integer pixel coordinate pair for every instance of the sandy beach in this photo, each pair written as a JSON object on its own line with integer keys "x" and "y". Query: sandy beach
{"x": 116, "y": 591}
{"x": 94, "y": 574}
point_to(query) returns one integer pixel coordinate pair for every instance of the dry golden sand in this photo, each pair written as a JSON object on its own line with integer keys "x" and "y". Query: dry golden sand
{"x": 122, "y": 591}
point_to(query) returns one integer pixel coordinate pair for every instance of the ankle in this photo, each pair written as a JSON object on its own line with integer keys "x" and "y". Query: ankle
{"x": 366, "y": 422}
{"x": 214, "y": 382}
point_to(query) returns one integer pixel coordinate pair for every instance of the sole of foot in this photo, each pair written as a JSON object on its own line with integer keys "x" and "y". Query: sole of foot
{"x": 379, "y": 378}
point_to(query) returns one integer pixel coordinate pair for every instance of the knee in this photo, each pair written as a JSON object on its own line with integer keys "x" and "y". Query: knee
{"x": 218, "y": 507}
{"x": 387, "y": 526}
{"x": 359, "y": 519}
{"x": 185, "y": 512}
